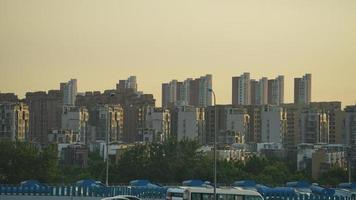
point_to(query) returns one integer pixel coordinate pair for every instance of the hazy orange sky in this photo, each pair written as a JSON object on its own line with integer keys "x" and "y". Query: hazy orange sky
{"x": 44, "y": 42}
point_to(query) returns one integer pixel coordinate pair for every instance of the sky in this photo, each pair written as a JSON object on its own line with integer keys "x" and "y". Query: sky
{"x": 45, "y": 42}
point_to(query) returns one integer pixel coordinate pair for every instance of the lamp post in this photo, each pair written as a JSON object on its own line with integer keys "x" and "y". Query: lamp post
{"x": 107, "y": 147}
{"x": 349, "y": 167}
{"x": 215, "y": 127}
{"x": 107, "y": 140}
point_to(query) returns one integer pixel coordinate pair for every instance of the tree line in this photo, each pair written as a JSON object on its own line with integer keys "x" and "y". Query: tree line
{"x": 170, "y": 162}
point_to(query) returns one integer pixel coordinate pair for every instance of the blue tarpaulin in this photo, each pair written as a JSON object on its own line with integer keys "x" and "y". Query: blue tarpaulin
{"x": 298, "y": 184}
{"x": 322, "y": 191}
{"x": 245, "y": 183}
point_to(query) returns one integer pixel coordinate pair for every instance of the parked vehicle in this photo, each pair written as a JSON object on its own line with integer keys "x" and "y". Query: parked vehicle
{"x": 122, "y": 197}
{"x": 207, "y": 193}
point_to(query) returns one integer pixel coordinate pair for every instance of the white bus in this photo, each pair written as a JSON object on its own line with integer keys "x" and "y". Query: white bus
{"x": 207, "y": 193}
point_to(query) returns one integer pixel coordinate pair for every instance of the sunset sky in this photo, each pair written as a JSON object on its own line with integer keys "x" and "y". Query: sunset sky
{"x": 44, "y": 42}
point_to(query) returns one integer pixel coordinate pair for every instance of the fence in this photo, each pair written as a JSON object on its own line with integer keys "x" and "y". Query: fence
{"x": 78, "y": 191}
{"x": 142, "y": 192}
{"x": 307, "y": 197}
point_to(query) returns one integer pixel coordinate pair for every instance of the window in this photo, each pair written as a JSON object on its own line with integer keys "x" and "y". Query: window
{"x": 197, "y": 196}
{"x": 252, "y": 198}
{"x": 174, "y": 194}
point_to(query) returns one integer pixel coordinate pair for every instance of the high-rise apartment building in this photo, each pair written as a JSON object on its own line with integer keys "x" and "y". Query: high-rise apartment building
{"x": 106, "y": 120}
{"x": 253, "y": 91}
{"x": 254, "y": 131}
{"x": 14, "y": 121}
{"x": 350, "y": 130}
{"x": 276, "y": 91}
{"x": 45, "y": 114}
{"x": 157, "y": 125}
{"x": 231, "y": 124}
{"x": 241, "y": 90}
{"x": 76, "y": 118}
{"x": 292, "y": 136}
{"x": 130, "y": 83}
{"x": 165, "y": 95}
{"x": 335, "y": 115}
{"x": 193, "y": 92}
{"x": 261, "y": 92}
{"x": 302, "y": 89}
{"x": 306, "y": 123}
{"x": 273, "y": 124}
{"x": 205, "y": 96}
{"x": 8, "y": 97}
{"x": 314, "y": 126}
{"x": 133, "y": 103}
{"x": 69, "y": 90}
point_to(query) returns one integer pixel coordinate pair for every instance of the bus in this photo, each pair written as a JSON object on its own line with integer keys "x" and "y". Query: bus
{"x": 207, "y": 193}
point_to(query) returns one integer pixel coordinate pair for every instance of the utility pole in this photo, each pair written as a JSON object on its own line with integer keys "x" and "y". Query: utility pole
{"x": 349, "y": 167}
{"x": 107, "y": 146}
{"x": 215, "y": 128}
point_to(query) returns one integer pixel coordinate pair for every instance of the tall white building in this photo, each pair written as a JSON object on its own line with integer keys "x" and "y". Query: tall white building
{"x": 302, "y": 89}
{"x": 273, "y": 124}
{"x": 314, "y": 126}
{"x": 230, "y": 124}
{"x": 241, "y": 90}
{"x": 132, "y": 83}
{"x": 69, "y": 92}
{"x": 276, "y": 91}
{"x": 14, "y": 121}
{"x": 192, "y": 92}
{"x": 106, "y": 120}
{"x": 173, "y": 91}
{"x": 187, "y": 123}
{"x": 205, "y": 96}
{"x": 75, "y": 119}
{"x": 350, "y": 130}
{"x": 237, "y": 122}
{"x": 157, "y": 125}
{"x": 186, "y": 91}
{"x": 261, "y": 92}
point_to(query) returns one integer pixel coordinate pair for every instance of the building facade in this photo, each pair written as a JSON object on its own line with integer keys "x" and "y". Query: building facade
{"x": 241, "y": 90}
{"x": 157, "y": 125}
{"x": 302, "y": 89}
{"x": 45, "y": 114}
{"x": 191, "y": 92}
{"x": 350, "y": 130}
{"x": 76, "y": 118}
{"x": 230, "y": 124}
{"x": 130, "y": 83}
{"x": 69, "y": 90}
{"x": 106, "y": 121}
{"x": 314, "y": 126}
{"x": 273, "y": 124}
{"x": 276, "y": 91}
{"x": 14, "y": 121}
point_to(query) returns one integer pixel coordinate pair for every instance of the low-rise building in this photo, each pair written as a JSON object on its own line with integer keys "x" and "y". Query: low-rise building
{"x": 317, "y": 158}
{"x": 75, "y": 154}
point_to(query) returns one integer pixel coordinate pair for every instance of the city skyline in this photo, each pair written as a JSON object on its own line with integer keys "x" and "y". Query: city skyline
{"x": 44, "y": 43}
{"x": 158, "y": 97}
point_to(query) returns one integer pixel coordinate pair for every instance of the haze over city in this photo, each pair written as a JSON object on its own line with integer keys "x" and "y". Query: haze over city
{"x": 47, "y": 42}
{"x": 178, "y": 99}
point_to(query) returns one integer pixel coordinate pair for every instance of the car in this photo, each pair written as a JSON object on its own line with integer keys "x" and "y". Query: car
{"x": 122, "y": 197}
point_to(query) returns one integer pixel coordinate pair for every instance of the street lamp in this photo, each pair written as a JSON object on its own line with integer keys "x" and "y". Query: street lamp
{"x": 107, "y": 141}
{"x": 215, "y": 127}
